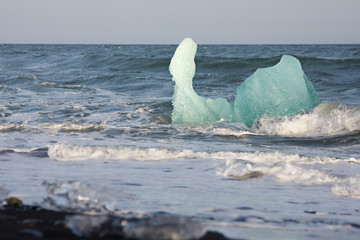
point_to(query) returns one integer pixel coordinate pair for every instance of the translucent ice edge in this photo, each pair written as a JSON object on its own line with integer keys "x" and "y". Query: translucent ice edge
{"x": 157, "y": 226}
{"x": 82, "y": 197}
{"x": 276, "y": 91}
{"x": 103, "y": 216}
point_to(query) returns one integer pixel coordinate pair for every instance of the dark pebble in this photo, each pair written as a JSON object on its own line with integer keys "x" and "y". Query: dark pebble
{"x": 26, "y": 223}
{"x": 213, "y": 236}
{"x": 31, "y": 232}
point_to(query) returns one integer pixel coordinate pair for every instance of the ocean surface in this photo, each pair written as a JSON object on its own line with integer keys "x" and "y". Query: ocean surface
{"x": 88, "y": 128}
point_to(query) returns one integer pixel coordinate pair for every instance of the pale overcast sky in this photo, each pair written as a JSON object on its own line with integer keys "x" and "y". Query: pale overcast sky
{"x": 168, "y": 21}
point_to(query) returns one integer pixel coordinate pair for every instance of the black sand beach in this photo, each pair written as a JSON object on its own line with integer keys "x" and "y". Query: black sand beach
{"x": 30, "y": 222}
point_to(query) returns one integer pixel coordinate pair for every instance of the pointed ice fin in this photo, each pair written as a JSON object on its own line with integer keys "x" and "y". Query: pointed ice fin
{"x": 182, "y": 65}
{"x": 188, "y": 106}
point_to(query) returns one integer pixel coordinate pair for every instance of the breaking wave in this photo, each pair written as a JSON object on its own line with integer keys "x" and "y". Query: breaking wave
{"x": 65, "y": 152}
{"x": 283, "y": 167}
{"x": 327, "y": 119}
{"x": 296, "y": 170}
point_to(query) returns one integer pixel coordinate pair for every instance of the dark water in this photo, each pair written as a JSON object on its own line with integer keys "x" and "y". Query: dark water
{"x": 88, "y": 127}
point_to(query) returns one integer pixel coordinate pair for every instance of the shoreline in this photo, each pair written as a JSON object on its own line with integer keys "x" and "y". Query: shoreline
{"x": 31, "y": 222}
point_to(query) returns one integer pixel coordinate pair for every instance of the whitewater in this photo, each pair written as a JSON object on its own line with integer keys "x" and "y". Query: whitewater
{"x": 100, "y": 129}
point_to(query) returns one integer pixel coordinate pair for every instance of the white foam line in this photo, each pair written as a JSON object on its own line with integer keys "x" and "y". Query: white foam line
{"x": 348, "y": 188}
{"x": 327, "y": 119}
{"x": 294, "y": 172}
{"x": 65, "y": 152}
{"x": 18, "y": 150}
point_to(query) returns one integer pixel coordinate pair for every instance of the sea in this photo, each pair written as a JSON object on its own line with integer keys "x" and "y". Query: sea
{"x": 87, "y": 128}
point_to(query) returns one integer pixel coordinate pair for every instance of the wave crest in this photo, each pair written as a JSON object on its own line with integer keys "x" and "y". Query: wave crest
{"x": 327, "y": 119}
{"x": 296, "y": 173}
{"x": 65, "y": 152}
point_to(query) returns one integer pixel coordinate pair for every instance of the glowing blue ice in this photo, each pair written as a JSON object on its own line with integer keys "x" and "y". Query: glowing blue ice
{"x": 275, "y": 91}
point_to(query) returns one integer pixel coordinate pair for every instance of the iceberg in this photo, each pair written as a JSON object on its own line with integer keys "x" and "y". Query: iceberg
{"x": 275, "y": 91}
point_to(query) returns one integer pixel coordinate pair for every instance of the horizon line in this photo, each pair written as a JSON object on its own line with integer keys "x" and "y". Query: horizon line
{"x": 198, "y": 43}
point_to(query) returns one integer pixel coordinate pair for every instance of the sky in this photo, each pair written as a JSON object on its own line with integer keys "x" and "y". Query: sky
{"x": 168, "y": 21}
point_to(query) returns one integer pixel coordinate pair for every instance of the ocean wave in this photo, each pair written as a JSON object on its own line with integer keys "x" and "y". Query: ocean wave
{"x": 9, "y": 90}
{"x": 327, "y": 119}
{"x": 283, "y": 167}
{"x": 58, "y": 127}
{"x": 66, "y": 152}
{"x": 73, "y": 127}
{"x": 284, "y": 172}
{"x": 330, "y": 60}
{"x": 220, "y": 129}
{"x": 350, "y": 187}
{"x": 295, "y": 173}
{"x": 12, "y": 127}
{"x": 236, "y": 65}
{"x": 21, "y": 150}
{"x": 233, "y": 65}
{"x": 119, "y": 58}
{"x": 49, "y": 84}
{"x": 231, "y": 132}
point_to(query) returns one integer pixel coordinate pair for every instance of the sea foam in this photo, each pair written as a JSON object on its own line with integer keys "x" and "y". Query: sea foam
{"x": 348, "y": 188}
{"x": 295, "y": 172}
{"x": 282, "y": 167}
{"x": 327, "y": 119}
{"x": 67, "y": 152}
